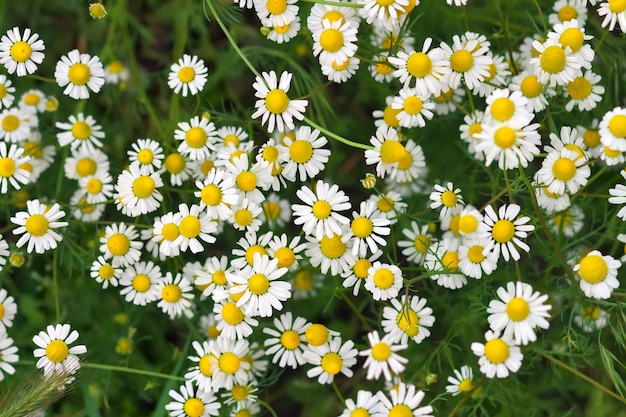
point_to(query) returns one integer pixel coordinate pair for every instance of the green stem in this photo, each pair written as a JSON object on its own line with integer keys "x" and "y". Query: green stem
{"x": 55, "y": 285}
{"x": 356, "y": 310}
{"x": 336, "y": 388}
{"x": 335, "y": 136}
{"x": 131, "y": 371}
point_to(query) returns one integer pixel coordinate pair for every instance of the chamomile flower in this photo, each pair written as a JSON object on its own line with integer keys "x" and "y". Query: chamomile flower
{"x": 564, "y": 171}
{"x": 536, "y": 93}
{"x": 498, "y": 76}
{"x": 513, "y": 143}
{"x": 120, "y": 245}
{"x": 4, "y": 252}
{"x": 147, "y": 152}
{"x": 37, "y": 224}
{"x": 571, "y": 34}
{"x": 249, "y": 179}
{"x": 448, "y": 102}
{"x": 178, "y": 167}
{"x": 284, "y": 33}
{"x": 15, "y": 124}
{"x": 505, "y": 230}
{"x": 232, "y": 322}
{"x": 115, "y": 73}
{"x": 568, "y": 222}
{"x": 416, "y": 248}
{"x": 83, "y": 162}
{"x": 414, "y": 108}
{"x": 286, "y": 341}
{"x": 555, "y": 64}
{"x": 195, "y": 225}
{"x": 80, "y": 133}
{"x": 197, "y": 138}
{"x": 473, "y": 261}
{"x": 228, "y": 364}
{"x": 214, "y": 274}
{"x": 245, "y": 216}
{"x": 367, "y": 230}
{"x": 591, "y": 318}
{"x": 387, "y": 152}
{"x": 405, "y": 401}
{"x": 335, "y": 42}
{"x": 498, "y": 356}
{"x": 175, "y": 295}
{"x": 6, "y": 92}
{"x": 584, "y": 92}
{"x": 188, "y": 74}
{"x": 53, "y": 350}
{"x": 469, "y": 219}
{"x": 79, "y": 73}
{"x": 407, "y": 319}
{"x": 250, "y": 244}
{"x": 389, "y": 205}
{"x": 422, "y": 69}
{"x": 305, "y": 156}
{"x": 468, "y": 61}
{"x": 97, "y": 189}
{"x": 33, "y": 101}
{"x": 461, "y": 382}
{"x": 330, "y": 359}
{"x": 612, "y": 157}
{"x": 104, "y": 273}
{"x": 137, "y": 190}
{"x": 518, "y": 312}
{"x": 448, "y": 198}
{"x": 365, "y": 405}
{"x": 332, "y": 13}
{"x": 380, "y": 69}
{"x": 8, "y": 309}
{"x": 192, "y": 402}
{"x": 276, "y": 13}
{"x": 384, "y": 13}
{"x": 548, "y": 201}
{"x": 443, "y": 257}
{"x": 273, "y": 105}
{"x": 383, "y": 280}
{"x": 330, "y": 253}
{"x": 262, "y": 289}
{"x": 288, "y": 254}
{"x": 139, "y": 283}
{"x": 356, "y": 271}
{"x": 382, "y": 356}
{"x": 614, "y": 11}
{"x": 276, "y": 211}
{"x": 341, "y": 72}
{"x": 319, "y": 216}
{"x": 8, "y": 354}
{"x": 12, "y": 170}
{"x": 201, "y": 373}
{"x": 618, "y": 196}
{"x": 613, "y": 129}
{"x": 217, "y": 194}
{"x": 507, "y": 106}
{"x": 598, "y": 274}
{"x": 21, "y": 53}
{"x": 566, "y": 10}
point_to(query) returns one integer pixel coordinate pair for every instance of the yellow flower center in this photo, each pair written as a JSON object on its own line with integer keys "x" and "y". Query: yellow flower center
{"x": 384, "y": 204}
{"x": 186, "y": 74}
{"x": 496, "y": 351}
{"x": 232, "y": 314}
{"x": 196, "y": 137}
{"x": 94, "y": 186}
{"x": 465, "y": 385}
{"x": 383, "y": 278}
{"x": 593, "y": 269}
{"x": 3, "y": 91}
{"x": 229, "y": 363}
{"x": 383, "y": 67}
{"x": 106, "y": 272}
{"x": 123, "y": 346}
{"x": 79, "y": 74}
{"x": 300, "y": 151}
{"x": 400, "y": 410}
{"x": 321, "y": 209}
{"x": 475, "y": 254}
{"x": 332, "y": 247}
{"x": 190, "y": 226}
{"x": 617, "y": 126}
{"x": 390, "y": 116}
{"x": 174, "y": 163}
{"x": 503, "y": 231}
{"x": 290, "y": 339}
{"x": 617, "y": 6}
{"x": 461, "y": 60}
{"x": 276, "y": 6}
{"x": 205, "y": 365}
{"x": 412, "y": 105}
{"x": 143, "y": 186}
{"x": 193, "y": 407}
{"x": 360, "y": 268}
{"x": 333, "y": 16}
{"x": 553, "y": 59}
{"x": 421, "y": 243}
{"x": 573, "y": 38}
{"x": 448, "y": 198}
{"x": 97, "y": 11}
{"x": 502, "y": 109}
{"x": 407, "y": 321}
{"x": 285, "y": 257}
{"x": 7, "y": 167}
{"x": 252, "y": 250}
{"x": 564, "y": 169}
{"x": 579, "y": 89}
{"x": 57, "y": 351}
{"x": 243, "y": 217}
{"x": 385, "y": 3}
{"x": 239, "y": 392}
{"x": 362, "y": 227}
{"x": 272, "y": 210}
{"x": 10, "y": 123}
{"x": 468, "y": 224}
{"x": 211, "y": 195}
{"x": 219, "y": 277}
{"x": 517, "y": 309}
{"x": 118, "y": 244}
{"x": 276, "y": 101}
{"x": 340, "y": 67}
{"x": 450, "y": 260}
{"x": 454, "y": 224}
{"x": 115, "y": 67}
{"x": 331, "y": 40}
{"x": 419, "y": 65}
{"x": 303, "y": 280}
{"x": 37, "y": 225}
{"x": 612, "y": 153}
{"x": 567, "y": 13}
{"x": 591, "y": 138}
{"x": 391, "y": 151}
{"x": 86, "y": 167}
{"x": 246, "y": 181}
{"x": 141, "y": 283}
{"x": 171, "y": 293}
{"x": 20, "y": 51}
{"x": 81, "y": 130}
{"x": 145, "y": 156}
{"x": 530, "y": 86}
{"x": 359, "y": 412}
{"x": 381, "y": 351}
{"x": 590, "y": 312}
{"x": 258, "y": 284}
{"x": 316, "y": 334}
{"x": 270, "y": 153}
{"x": 504, "y": 137}
{"x": 31, "y": 99}
{"x": 332, "y": 363}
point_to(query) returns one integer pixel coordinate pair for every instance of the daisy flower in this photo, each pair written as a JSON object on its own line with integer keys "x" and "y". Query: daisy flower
{"x": 249, "y": 179}
{"x": 84, "y": 162}
{"x": 461, "y": 382}
{"x": 8, "y": 309}
{"x": 80, "y": 133}
{"x": 231, "y": 134}
{"x": 33, "y": 101}
{"x": 192, "y": 402}
{"x": 261, "y": 287}
{"x": 276, "y": 211}
{"x": 245, "y": 216}
{"x": 473, "y": 261}
{"x": 469, "y": 219}
{"x": 330, "y": 253}
{"x": 178, "y": 167}
{"x": 612, "y": 129}
{"x": 104, "y": 273}
{"x": 382, "y": 356}
{"x": 15, "y": 124}
{"x": 115, "y": 73}
{"x": 386, "y": 14}
{"x": 443, "y": 257}
{"x": 6, "y": 92}
{"x": 139, "y": 283}
{"x": 512, "y": 143}
{"x": 198, "y": 137}
{"x": 387, "y": 152}
{"x": 366, "y": 230}
{"x": 305, "y": 155}
{"x": 330, "y": 359}
{"x": 383, "y": 280}
{"x": 614, "y": 11}
{"x": 505, "y": 231}
{"x": 448, "y": 198}
{"x": 119, "y": 244}
{"x": 250, "y": 244}
{"x": 407, "y": 319}
{"x": 228, "y": 364}
{"x": 555, "y": 64}
{"x": 584, "y": 92}
{"x": 37, "y": 224}
{"x": 388, "y": 117}
{"x": 467, "y": 61}
{"x": 146, "y": 152}
{"x": 137, "y": 190}
{"x": 591, "y": 318}
{"x": 8, "y": 355}
{"x": 422, "y": 69}
{"x": 208, "y": 326}
{"x": 288, "y": 254}
{"x": 320, "y": 12}
{"x": 277, "y": 12}
{"x": 405, "y": 401}
{"x": 53, "y": 350}
{"x": 175, "y": 295}
{"x": 285, "y": 341}
{"x": 598, "y": 274}
{"x": 273, "y": 105}
{"x": 232, "y": 322}
{"x": 217, "y": 193}
{"x": 618, "y": 196}
{"x": 4, "y": 252}
{"x": 365, "y": 405}
{"x": 189, "y": 75}
{"x": 335, "y": 41}
{"x": 356, "y": 271}
{"x": 564, "y": 171}
{"x": 536, "y": 93}
{"x": 414, "y": 108}
{"x": 201, "y": 373}
{"x": 568, "y": 222}
{"x": 498, "y": 356}
{"x": 566, "y": 10}
{"x": 341, "y": 72}
{"x": 195, "y": 225}
{"x": 269, "y": 155}
{"x": 571, "y": 35}
{"x": 319, "y": 216}
{"x": 380, "y": 69}
{"x": 80, "y": 73}
{"x": 12, "y": 170}
{"x": 518, "y": 312}
{"x": 165, "y": 232}
{"x": 389, "y": 205}
{"x": 21, "y": 53}
{"x": 499, "y": 74}
{"x": 507, "y": 106}
{"x": 416, "y": 248}
{"x": 214, "y": 274}
{"x": 284, "y": 33}
{"x": 97, "y": 189}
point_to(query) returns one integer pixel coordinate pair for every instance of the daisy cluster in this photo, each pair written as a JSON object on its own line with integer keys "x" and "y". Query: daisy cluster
{"x": 235, "y": 224}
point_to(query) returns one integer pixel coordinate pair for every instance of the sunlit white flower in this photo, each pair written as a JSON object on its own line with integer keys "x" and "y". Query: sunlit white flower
{"x": 330, "y": 359}
{"x": 461, "y": 381}
{"x": 422, "y": 69}
{"x": 37, "y": 224}
{"x": 498, "y": 356}
{"x": 21, "y": 53}
{"x": 273, "y": 105}
{"x": 598, "y": 274}
{"x": 53, "y": 350}
{"x": 319, "y": 216}
{"x": 286, "y": 341}
{"x": 12, "y": 170}
{"x": 188, "y": 74}
{"x": 79, "y": 73}
{"x": 505, "y": 231}
{"x": 382, "y": 356}
{"x": 192, "y": 402}
{"x": 405, "y": 400}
